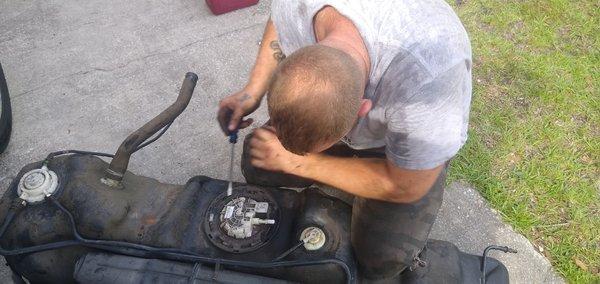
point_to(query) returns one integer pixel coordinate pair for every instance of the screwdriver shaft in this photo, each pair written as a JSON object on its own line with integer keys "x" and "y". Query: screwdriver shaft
{"x": 230, "y": 185}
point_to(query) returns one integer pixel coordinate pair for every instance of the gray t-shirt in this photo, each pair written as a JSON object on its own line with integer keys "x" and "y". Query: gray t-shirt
{"x": 420, "y": 79}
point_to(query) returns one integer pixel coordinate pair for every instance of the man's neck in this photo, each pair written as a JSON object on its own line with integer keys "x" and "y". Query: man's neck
{"x": 334, "y": 30}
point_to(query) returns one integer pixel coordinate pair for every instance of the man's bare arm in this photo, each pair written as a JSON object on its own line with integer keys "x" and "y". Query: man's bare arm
{"x": 269, "y": 55}
{"x": 234, "y": 107}
{"x": 370, "y": 178}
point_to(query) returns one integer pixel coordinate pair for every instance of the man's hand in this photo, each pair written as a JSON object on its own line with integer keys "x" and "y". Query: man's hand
{"x": 267, "y": 153}
{"x": 233, "y": 108}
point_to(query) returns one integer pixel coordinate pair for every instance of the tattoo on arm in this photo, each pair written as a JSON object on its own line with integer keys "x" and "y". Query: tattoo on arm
{"x": 277, "y": 52}
{"x": 244, "y": 97}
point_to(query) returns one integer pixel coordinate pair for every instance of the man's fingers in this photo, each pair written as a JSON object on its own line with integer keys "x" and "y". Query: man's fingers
{"x": 245, "y": 123}
{"x": 257, "y": 163}
{"x": 257, "y": 154}
{"x": 264, "y": 134}
{"x": 259, "y": 134}
{"x": 235, "y": 118}
{"x": 257, "y": 144}
{"x": 223, "y": 118}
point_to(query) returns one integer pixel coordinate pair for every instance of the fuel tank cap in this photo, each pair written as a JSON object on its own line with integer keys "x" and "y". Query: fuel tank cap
{"x": 36, "y": 184}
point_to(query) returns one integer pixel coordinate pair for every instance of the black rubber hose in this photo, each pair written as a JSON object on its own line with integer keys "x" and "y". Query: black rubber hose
{"x": 15, "y": 208}
{"x": 148, "y": 142}
{"x": 484, "y": 258}
{"x": 68, "y": 152}
{"x": 39, "y": 248}
{"x": 287, "y": 252}
{"x": 7, "y": 220}
{"x": 6, "y": 116}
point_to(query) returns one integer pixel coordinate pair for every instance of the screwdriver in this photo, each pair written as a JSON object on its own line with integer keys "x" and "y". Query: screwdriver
{"x": 233, "y": 137}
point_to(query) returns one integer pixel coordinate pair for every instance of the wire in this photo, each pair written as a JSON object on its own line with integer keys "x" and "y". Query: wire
{"x": 100, "y": 154}
{"x": 7, "y": 220}
{"x": 66, "y": 152}
{"x": 14, "y": 209}
{"x": 484, "y": 258}
{"x": 39, "y": 248}
{"x": 287, "y": 252}
{"x": 164, "y": 129}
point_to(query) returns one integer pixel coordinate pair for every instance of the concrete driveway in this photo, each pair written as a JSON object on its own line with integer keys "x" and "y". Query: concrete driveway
{"x": 84, "y": 74}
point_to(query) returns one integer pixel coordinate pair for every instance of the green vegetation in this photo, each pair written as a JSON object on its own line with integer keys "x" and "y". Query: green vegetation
{"x": 534, "y": 146}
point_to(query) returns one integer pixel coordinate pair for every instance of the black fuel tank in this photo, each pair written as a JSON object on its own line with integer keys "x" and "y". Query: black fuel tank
{"x": 254, "y": 224}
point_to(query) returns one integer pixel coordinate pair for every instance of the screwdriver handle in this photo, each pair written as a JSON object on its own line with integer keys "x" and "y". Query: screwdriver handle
{"x": 233, "y": 137}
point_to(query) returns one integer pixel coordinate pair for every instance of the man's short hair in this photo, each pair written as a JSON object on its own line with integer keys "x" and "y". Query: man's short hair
{"x": 314, "y": 97}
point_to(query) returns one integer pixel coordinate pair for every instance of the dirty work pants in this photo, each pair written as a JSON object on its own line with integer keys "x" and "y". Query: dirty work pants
{"x": 386, "y": 237}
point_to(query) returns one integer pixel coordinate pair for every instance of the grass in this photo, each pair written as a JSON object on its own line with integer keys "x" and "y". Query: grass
{"x": 534, "y": 143}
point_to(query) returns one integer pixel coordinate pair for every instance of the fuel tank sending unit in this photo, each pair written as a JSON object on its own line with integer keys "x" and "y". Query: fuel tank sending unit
{"x": 313, "y": 238}
{"x": 242, "y": 222}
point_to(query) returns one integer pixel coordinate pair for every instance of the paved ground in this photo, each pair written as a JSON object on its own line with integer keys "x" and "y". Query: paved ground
{"x": 84, "y": 74}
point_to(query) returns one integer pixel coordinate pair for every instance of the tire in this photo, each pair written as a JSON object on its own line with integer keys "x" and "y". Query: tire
{"x": 5, "y": 113}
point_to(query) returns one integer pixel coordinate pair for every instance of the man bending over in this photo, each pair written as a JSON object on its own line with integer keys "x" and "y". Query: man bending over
{"x": 373, "y": 100}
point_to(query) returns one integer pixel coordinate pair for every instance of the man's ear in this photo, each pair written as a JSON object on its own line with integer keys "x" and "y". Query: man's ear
{"x": 365, "y": 107}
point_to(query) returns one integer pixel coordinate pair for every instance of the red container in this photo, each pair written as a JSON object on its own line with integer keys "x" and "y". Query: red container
{"x": 223, "y": 6}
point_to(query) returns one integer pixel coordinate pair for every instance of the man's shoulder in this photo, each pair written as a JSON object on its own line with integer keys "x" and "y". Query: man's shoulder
{"x": 434, "y": 47}
{"x": 421, "y": 46}
{"x": 410, "y": 71}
